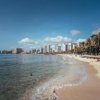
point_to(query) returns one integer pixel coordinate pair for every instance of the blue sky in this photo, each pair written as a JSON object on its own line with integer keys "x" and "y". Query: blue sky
{"x": 32, "y": 21}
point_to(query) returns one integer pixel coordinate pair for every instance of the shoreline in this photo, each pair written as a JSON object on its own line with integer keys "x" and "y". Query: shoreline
{"x": 93, "y": 62}
{"x": 90, "y": 89}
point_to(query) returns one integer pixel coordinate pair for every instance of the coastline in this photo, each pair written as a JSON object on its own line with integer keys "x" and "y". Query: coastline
{"x": 90, "y": 89}
{"x": 93, "y": 62}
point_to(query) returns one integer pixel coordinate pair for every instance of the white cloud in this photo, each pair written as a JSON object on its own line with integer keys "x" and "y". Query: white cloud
{"x": 58, "y": 39}
{"x": 75, "y": 32}
{"x": 27, "y": 41}
{"x": 96, "y": 31}
{"x": 81, "y": 40}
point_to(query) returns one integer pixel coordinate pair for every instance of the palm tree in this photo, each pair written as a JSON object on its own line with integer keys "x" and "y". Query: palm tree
{"x": 95, "y": 43}
{"x": 98, "y": 43}
{"x": 88, "y": 46}
{"x": 91, "y": 45}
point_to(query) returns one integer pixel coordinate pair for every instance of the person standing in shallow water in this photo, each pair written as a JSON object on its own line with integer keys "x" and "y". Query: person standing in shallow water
{"x": 54, "y": 95}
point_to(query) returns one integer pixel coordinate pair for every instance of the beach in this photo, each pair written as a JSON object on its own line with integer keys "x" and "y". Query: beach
{"x": 89, "y": 89}
{"x": 67, "y": 77}
{"x": 71, "y": 74}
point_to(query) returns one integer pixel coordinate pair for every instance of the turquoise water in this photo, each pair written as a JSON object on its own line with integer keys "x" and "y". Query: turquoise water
{"x": 41, "y": 73}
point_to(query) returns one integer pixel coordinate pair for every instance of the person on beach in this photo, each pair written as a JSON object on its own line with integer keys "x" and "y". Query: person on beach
{"x": 54, "y": 95}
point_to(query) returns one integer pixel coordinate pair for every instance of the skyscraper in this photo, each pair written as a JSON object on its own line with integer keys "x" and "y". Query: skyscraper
{"x": 17, "y": 50}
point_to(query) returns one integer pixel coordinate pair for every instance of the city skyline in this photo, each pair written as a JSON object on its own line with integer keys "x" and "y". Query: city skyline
{"x": 34, "y": 23}
{"x": 47, "y": 49}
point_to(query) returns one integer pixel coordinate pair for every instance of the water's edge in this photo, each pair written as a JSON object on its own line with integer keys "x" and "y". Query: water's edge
{"x": 37, "y": 76}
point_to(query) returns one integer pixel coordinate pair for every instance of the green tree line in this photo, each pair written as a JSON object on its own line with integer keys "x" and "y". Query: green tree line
{"x": 91, "y": 46}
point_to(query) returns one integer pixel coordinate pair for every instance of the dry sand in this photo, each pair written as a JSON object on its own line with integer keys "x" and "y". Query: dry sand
{"x": 90, "y": 89}
{"x": 93, "y": 62}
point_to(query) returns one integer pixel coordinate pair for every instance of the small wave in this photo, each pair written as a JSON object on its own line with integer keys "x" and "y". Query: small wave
{"x": 45, "y": 91}
{"x": 68, "y": 76}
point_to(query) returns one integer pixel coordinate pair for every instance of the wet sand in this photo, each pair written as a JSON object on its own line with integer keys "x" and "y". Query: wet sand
{"x": 27, "y": 95}
{"x": 88, "y": 90}
{"x": 93, "y": 62}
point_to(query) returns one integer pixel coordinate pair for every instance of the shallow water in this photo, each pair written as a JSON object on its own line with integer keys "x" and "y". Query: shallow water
{"x": 42, "y": 73}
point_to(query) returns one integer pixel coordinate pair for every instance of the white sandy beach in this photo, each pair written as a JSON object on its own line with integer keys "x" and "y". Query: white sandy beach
{"x": 93, "y": 62}
{"x": 90, "y": 89}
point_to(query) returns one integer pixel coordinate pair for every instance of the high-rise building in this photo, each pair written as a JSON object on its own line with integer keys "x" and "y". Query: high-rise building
{"x": 37, "y": 51}
{"x": 17, "y": 50}
{"x": 74, "y": 45}
{"x": 6, "y": 51}
{"x": 33, "y": 51}
{"x": 59, "y": 49}
{"x": 45, "y": 49}
{"x": 69, "y": 46}
{"x": 63, "y": 47}
{"x": 48, "y": 48}
{"x": 41, "y": 51}
{"x": 51, "y": 50}
{"x": 66, "y": 47}
{"x": 56, "y": 47}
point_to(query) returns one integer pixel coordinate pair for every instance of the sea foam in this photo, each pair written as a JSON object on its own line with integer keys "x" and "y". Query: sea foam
{"x": 70, "y": 79}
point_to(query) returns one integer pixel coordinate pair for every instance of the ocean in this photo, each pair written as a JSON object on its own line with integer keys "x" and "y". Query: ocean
{"x": 40, "y": 73}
